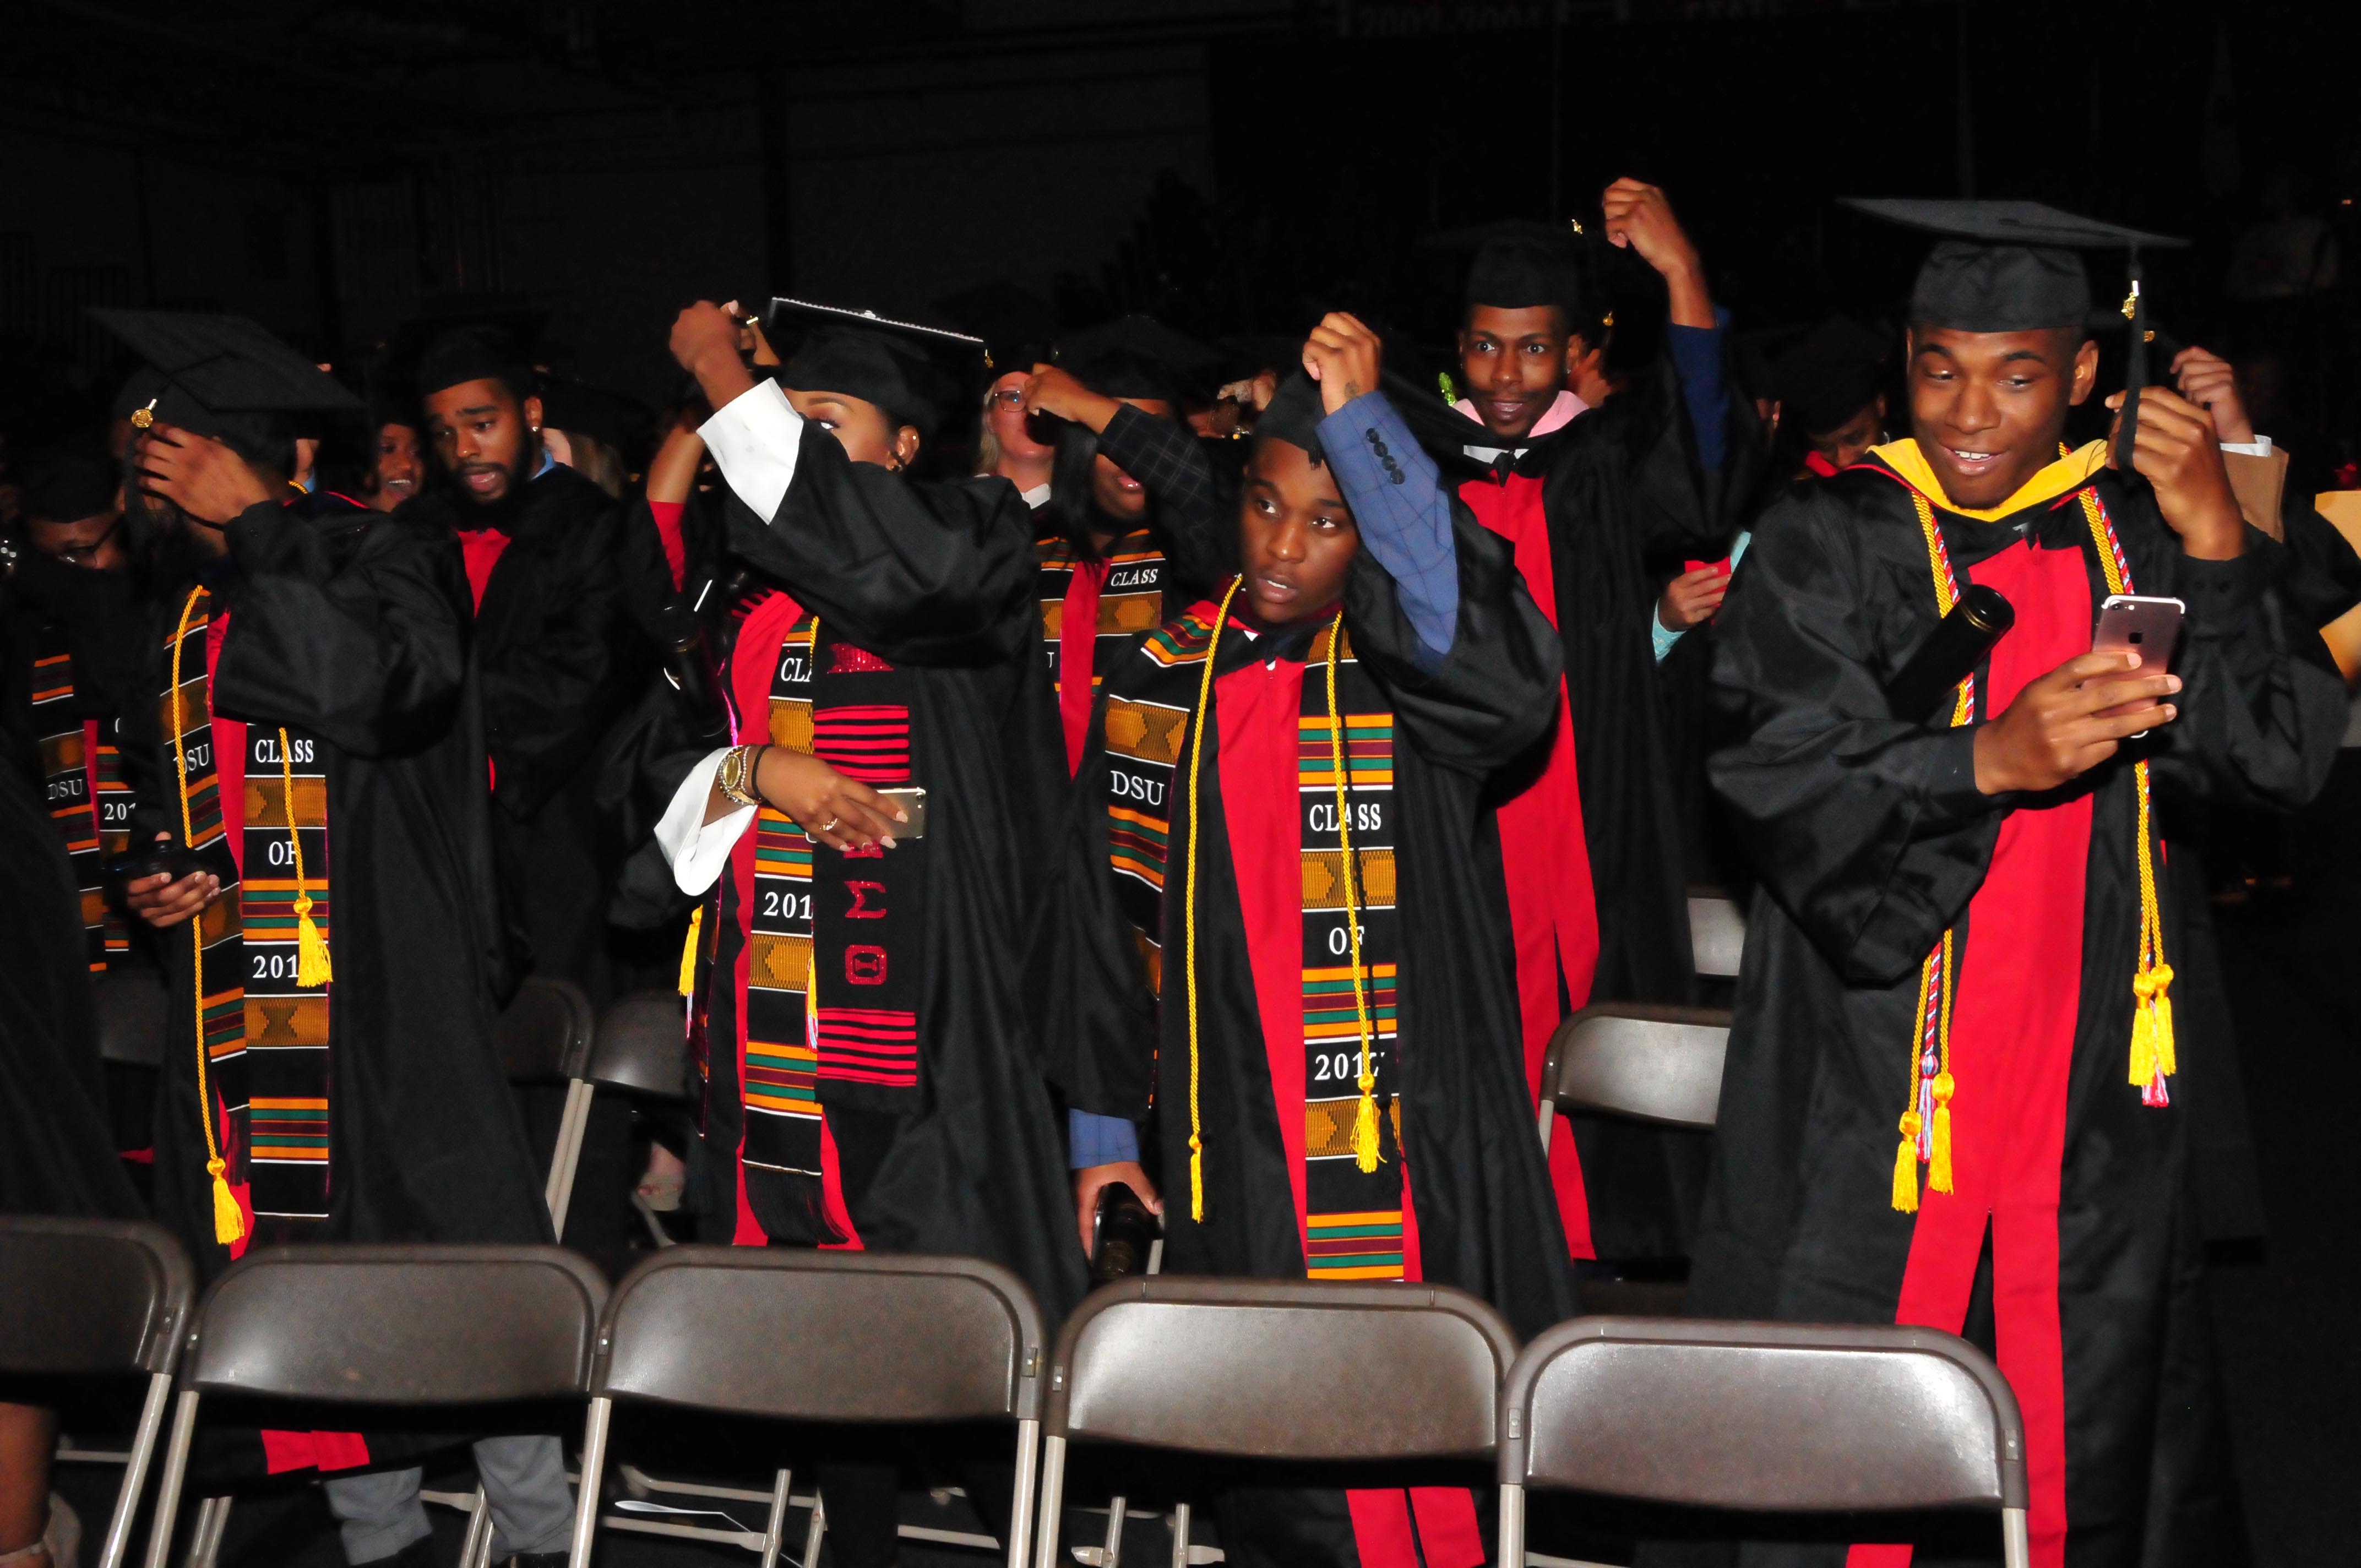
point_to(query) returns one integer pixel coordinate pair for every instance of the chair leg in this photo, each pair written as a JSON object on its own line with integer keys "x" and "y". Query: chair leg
{"x": 594, "y": 1469}
{"x": 476, "y": 1549}
{"x": 1548, "y": 1117}
{"x": 1111, "y": 1556}
{"x": 1512, "y": 1527}
{"x": 168, "y": 1490}
{"x": 135, "y": 1473}
{"x": 2015, "y": 1546}
{"x": 1053, "y": 1502}
{"x": 775, "y": 1529}
{"x": 819, "y": 1529}
{"x": 1021, "y": 1502}
{"x": 567, "y": 1156}
{"x": 213, "y": 1523}
{"x": 1179, "y": 1535}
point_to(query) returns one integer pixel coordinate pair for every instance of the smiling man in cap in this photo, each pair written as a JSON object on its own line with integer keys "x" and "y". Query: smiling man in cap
{"x": 1955, "y": 1096}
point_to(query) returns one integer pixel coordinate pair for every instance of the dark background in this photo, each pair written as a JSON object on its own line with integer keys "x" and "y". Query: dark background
{"x": 1235, "y": 165}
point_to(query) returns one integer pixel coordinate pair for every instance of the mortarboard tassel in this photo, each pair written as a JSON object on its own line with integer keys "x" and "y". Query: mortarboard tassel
{"x": 688, "y": 952}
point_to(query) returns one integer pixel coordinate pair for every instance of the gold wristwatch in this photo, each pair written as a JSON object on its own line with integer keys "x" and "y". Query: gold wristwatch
{"x": 736, "y": 778}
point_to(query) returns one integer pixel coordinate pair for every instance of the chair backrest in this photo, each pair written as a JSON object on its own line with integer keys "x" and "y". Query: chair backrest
{"x": 1717, "y": 935}
{"x": 1282, "y": 1370}
{"x": 417, "y": 1325}
{"x": 833, "y": 1336}
{"x": 130, "y": 1003}
{"x": 1647, "y": 1061}
{"x": 641, "y": 1046}
{"x": 544, "y": 1032}
{"x": 1793, "y": 1418}
{"x": 91, "y": 1295}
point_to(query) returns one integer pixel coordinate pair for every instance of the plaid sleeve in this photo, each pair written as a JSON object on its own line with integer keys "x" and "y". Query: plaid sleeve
{"x": 1164, "y": 457}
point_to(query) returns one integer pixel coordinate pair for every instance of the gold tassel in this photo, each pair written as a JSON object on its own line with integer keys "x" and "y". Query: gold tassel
{"x": 228, "y": 1224}
{"x": 311, "y": 965}
{"x": 688, "y": 952}
{"x": 1365, "y": 1131}
{"x": 2160, "y": 1010}
{"x": 1906, "y": 1165}
{"x": 2143, "y": 1064}
{"x": 1938, "y": 1158}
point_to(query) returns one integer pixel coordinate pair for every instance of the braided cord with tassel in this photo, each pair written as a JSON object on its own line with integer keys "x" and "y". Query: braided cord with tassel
{"x": 1196, "y": 756}
{"x": 1365, "y": 1118}
{"x": 228, "y": 1224}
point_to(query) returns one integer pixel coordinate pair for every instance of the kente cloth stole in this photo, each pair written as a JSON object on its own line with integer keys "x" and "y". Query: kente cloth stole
{"x": 1352, "y": 1116}
{"x": 1926, "y": 1121}
{"x": 1089, "y": 612}
{"x": 82, "y": 778}
{"x": 833, "y": 980}
{"x": 262, "y": 980}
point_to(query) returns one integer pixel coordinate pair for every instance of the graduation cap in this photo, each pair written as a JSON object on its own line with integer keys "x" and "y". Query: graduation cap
{"x": 1294, "y": 415}
{"x": 1828, "y": 375}
{"x": 477, "y": 351}
{"x": 1139, "y": 356}
{"x": 918, "y": 375}
{"x": 1517, "y": 263}
{"x": 2016, "y": 267}
{"x": 223, "y": 377}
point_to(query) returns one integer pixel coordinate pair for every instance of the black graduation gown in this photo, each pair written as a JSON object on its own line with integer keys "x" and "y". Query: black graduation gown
{"x": 938, "y": 580}
{"x": 558, "y": 655}
{"x": 1870, "y": 839}
{"x": 1486, "y": 1223}
{"x": 353, "y": 625}
{"x": 1625, "y": 503}
{"x": 57, "y": 1148}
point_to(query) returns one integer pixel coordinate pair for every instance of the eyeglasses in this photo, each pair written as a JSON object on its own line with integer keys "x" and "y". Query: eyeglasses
{"x": 1013, "y": 398}
{"x": 85, "y": 554}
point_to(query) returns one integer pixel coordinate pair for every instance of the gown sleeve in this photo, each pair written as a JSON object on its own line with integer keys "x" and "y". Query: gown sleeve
{"x": 1494, "y": 692}
{"x": 2262, "y": 708}
{"x": 937, "y": 575}
{"x": 363, "y": 643}
{"x": 1870, "y": 831}
{"x": 1197, "y": 511}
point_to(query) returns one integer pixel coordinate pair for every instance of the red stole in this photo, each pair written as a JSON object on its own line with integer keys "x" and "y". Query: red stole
{"x": 1552, "y": 908}
{"x": 1078, "y": 651}
{"x": 2013, "y": 1043}
{"x": 480, "y": 549}
{"x": 1256, "y": 710}
{"x": 753, "y": 661}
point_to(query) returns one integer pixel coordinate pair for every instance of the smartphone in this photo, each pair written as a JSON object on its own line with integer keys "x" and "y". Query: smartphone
{"x": 914, "y": 801}
{"x": 2148, "y": 626}
{"x": 155, "y": 859}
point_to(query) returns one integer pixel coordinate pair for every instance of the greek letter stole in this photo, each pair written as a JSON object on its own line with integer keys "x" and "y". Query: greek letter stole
{"x": 1091, "y": 609}
{"x": 1332, "y": 1057}
{"x": 830, "y": 1011}
{"x": 260, "y": 951}
{"x": 82, "y": 778}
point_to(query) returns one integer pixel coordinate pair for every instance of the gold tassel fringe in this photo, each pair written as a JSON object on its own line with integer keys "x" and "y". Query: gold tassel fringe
{"x": 1365, "y": 1131}
{"x": 1938, "y": 1157}
{"x": 228, "y": 1224}
{"x": 2167, "y": 1061}
{"x": 1906, "y": 1165}
{"x": 311, "y": 964}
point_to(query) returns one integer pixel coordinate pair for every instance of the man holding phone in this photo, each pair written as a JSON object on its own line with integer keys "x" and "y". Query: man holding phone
{"x": 1953, "y": 1095}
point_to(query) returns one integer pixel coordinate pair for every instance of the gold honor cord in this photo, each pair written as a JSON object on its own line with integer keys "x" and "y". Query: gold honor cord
{"x": 228, "y": 1224}
{"x": 311, "y": 965}
{"x": 1196, "y": 756}
{"x": 1365, "y": 1119}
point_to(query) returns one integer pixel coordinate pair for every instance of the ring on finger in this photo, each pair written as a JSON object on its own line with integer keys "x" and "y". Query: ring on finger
{"x": 829, "y": 825}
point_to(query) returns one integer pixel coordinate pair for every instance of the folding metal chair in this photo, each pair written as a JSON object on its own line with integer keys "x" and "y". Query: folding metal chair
{"x": 544, "y": 1037}
{"x": 1249, "y": 1368}
{"x": 406, "y": 1326}
{"x": 877, "y": 1338}
{"x": 90, "y": 1298}
{"x": 1770, "y": 1418}
{"x": 640, "y": 1046}
{"x": 1717, "y": 935}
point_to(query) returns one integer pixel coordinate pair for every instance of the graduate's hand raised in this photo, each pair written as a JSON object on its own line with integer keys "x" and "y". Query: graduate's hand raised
{"x": 1640, "y": 217}
{"x": 2211, "y": 382}
{"x": 842, "y": 813}
{"x": 2176, "y": 449}
{"x": 1345, "y": 357}
{"x": 2069, "y": 722}
{"x": 1091, "y": 1177}
{"x": 201, "y": 476}
{"x": 705, "y": 343}
{"x": 1055, "y": 392}
{"x": 163, "y": 902}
